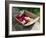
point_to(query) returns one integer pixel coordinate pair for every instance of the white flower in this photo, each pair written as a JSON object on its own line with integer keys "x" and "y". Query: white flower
{"x": 23, "y": 22}
{"x": 27, "y": 18}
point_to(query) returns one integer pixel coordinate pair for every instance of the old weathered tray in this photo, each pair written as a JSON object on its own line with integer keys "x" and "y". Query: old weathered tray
{"x": 31, "y": 15}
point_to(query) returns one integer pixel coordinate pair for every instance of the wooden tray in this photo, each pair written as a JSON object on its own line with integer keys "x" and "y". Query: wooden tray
{"x": 31, "y": 15}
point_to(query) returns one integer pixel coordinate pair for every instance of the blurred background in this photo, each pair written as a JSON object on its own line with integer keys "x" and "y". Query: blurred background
{"x": 33, "y": 10}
